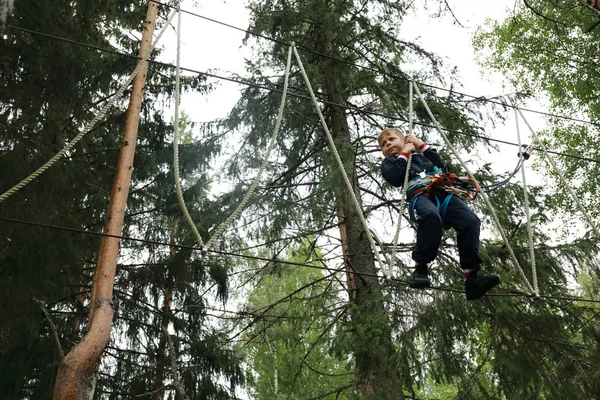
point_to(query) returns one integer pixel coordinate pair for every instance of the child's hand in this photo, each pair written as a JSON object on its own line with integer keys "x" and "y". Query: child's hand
{"x": 413, "y": 139}
{"x": 409, "y": 148}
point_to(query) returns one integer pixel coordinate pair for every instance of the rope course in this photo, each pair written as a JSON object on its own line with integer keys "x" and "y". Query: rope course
{"x": 100, "y": 115}
{"x": 344, "y": 106}
{"x": 381, "y": 71}
{"x": 299, "y": 264}
{"x": 292, "y": 48}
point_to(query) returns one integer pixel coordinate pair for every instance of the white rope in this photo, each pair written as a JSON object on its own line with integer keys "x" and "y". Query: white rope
{"x": 339, "y": 161}
{"x": 481, "y": 192}
{"x": 527, "y": 214}
{"x": 176, "y": 136}
{"x": 564, "y": 183}
{"x": 263, "y": 166}
{"x": 404, "y": 195}
{"x": 116, "y": 97}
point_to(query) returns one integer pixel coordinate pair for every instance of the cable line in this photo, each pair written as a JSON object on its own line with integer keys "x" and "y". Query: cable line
{"x": 295, "y": 263}
{"x": 265, "y": 161}
{"x": 382, "y": 72}
{"x": 250, "y": 84}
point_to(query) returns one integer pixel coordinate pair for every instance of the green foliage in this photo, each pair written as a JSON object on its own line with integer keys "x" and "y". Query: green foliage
{"x": 49, "y": 90}
{"x": 548, "y": 49}
{"x": 292, "y": 341}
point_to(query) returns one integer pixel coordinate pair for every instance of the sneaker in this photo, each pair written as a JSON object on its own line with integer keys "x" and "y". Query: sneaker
{"x": 420, "y": 278}
{"x": 477, "y": 286}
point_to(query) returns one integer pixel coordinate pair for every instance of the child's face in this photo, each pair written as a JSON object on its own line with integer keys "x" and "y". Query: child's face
{"x": 391, "y": 143}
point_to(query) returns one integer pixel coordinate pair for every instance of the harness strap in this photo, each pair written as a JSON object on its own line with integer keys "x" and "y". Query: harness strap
{"x": 442, "y": 207}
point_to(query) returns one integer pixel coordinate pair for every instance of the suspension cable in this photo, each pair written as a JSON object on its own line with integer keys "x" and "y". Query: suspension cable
{"x": 527, "y": 213}
{"x": 263, "y": 166}
{"x": 404, "y": 192}
{"x": 551, "y": 162}
{"x": 339, "y": 161}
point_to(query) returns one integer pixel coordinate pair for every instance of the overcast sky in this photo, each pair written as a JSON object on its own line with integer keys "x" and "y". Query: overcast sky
{"x": 207, "y": 45}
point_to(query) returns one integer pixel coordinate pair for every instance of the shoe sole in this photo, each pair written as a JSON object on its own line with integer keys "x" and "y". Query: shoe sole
{"x": 420, "y": 285}
{"x": 476, "y": 294}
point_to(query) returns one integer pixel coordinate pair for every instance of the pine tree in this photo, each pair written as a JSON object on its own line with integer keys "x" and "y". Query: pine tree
{"x": 337, "y": 40}
{"x": 50, "y": 89}
{"x": 439, "y": 338}
{"x": 291, "y": 345}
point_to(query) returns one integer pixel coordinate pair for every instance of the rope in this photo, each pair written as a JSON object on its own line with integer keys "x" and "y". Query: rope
{"x": 249, "y": 84}
{"x": 586, "y": 215}
{"x": 266, "y": 259}
{"x": 485, "y": 197}
{"x": 339, "y": 161}
{"x": 402, "y": 203}
{"x": 527, "y": 214}
{"x": 176, "y": 135}
{"x": 239, "y": 208}
{"x": 90, "y": 124}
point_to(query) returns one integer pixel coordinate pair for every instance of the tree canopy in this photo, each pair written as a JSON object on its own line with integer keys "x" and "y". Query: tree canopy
{"x": 291, "y": 302}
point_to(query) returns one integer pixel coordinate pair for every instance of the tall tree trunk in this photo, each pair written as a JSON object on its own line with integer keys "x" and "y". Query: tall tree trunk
{"x": 375, "y": 354}
{"x": 79, "y": 364}
{"x": 344, "y": 239}
{"x": 6, "y": 7}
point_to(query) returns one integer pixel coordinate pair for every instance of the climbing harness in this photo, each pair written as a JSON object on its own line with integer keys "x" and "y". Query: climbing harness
{"x": 430, "y": 184}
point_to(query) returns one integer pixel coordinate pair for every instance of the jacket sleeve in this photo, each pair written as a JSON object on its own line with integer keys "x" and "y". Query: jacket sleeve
{"x": 432, "y": 155}
{"x": 393, "y": 170}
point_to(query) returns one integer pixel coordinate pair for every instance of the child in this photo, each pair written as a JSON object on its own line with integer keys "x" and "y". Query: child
{"x": 396, "y": 149}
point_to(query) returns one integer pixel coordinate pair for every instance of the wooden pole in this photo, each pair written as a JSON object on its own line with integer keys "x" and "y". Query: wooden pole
{"x": 79, "y": 364}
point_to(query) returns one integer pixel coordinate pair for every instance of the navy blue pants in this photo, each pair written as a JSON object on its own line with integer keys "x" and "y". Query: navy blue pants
{"x": 429, "y": 232}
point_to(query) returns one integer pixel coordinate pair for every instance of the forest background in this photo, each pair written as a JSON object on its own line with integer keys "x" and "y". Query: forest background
{"x": 291, "y": 302}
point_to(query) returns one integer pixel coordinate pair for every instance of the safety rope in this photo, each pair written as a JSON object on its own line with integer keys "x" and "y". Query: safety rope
{"x": 176, "y": 136}
{"x": 527, "y": 213}
{"x": 101, "y": 114}
{"x": 402, "y": 202}
{"x": 485, "y": 197}
{"x": 339, "y": 161}
{"x": 263, "y": 166}
{"x": 564, "y": 183}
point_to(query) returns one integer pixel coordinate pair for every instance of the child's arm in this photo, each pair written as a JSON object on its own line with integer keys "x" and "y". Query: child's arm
{"x": 393, "y": 169}
{"x": 429, "y": 152}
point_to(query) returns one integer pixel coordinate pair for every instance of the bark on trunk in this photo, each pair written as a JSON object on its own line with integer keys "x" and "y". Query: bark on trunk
{"x": 376, "y": 361}
{"x": 6, "y": 7}
{"x": 78, "y": 365}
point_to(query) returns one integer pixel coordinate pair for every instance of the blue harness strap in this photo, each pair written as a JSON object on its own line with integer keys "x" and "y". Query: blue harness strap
{"x": 419, "y": 183}
{"x": 442, "y": 207}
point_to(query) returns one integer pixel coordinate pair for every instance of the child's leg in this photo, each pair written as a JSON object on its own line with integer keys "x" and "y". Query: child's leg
{"x": 429, "y": 231}
{"x": 466, "y": 223}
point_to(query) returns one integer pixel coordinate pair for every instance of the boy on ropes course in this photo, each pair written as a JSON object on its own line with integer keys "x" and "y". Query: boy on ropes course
{"x": 431, "y": 197}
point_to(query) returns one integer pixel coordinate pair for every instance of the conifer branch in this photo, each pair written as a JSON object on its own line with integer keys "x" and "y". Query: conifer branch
{"x": 61, "y": 353}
